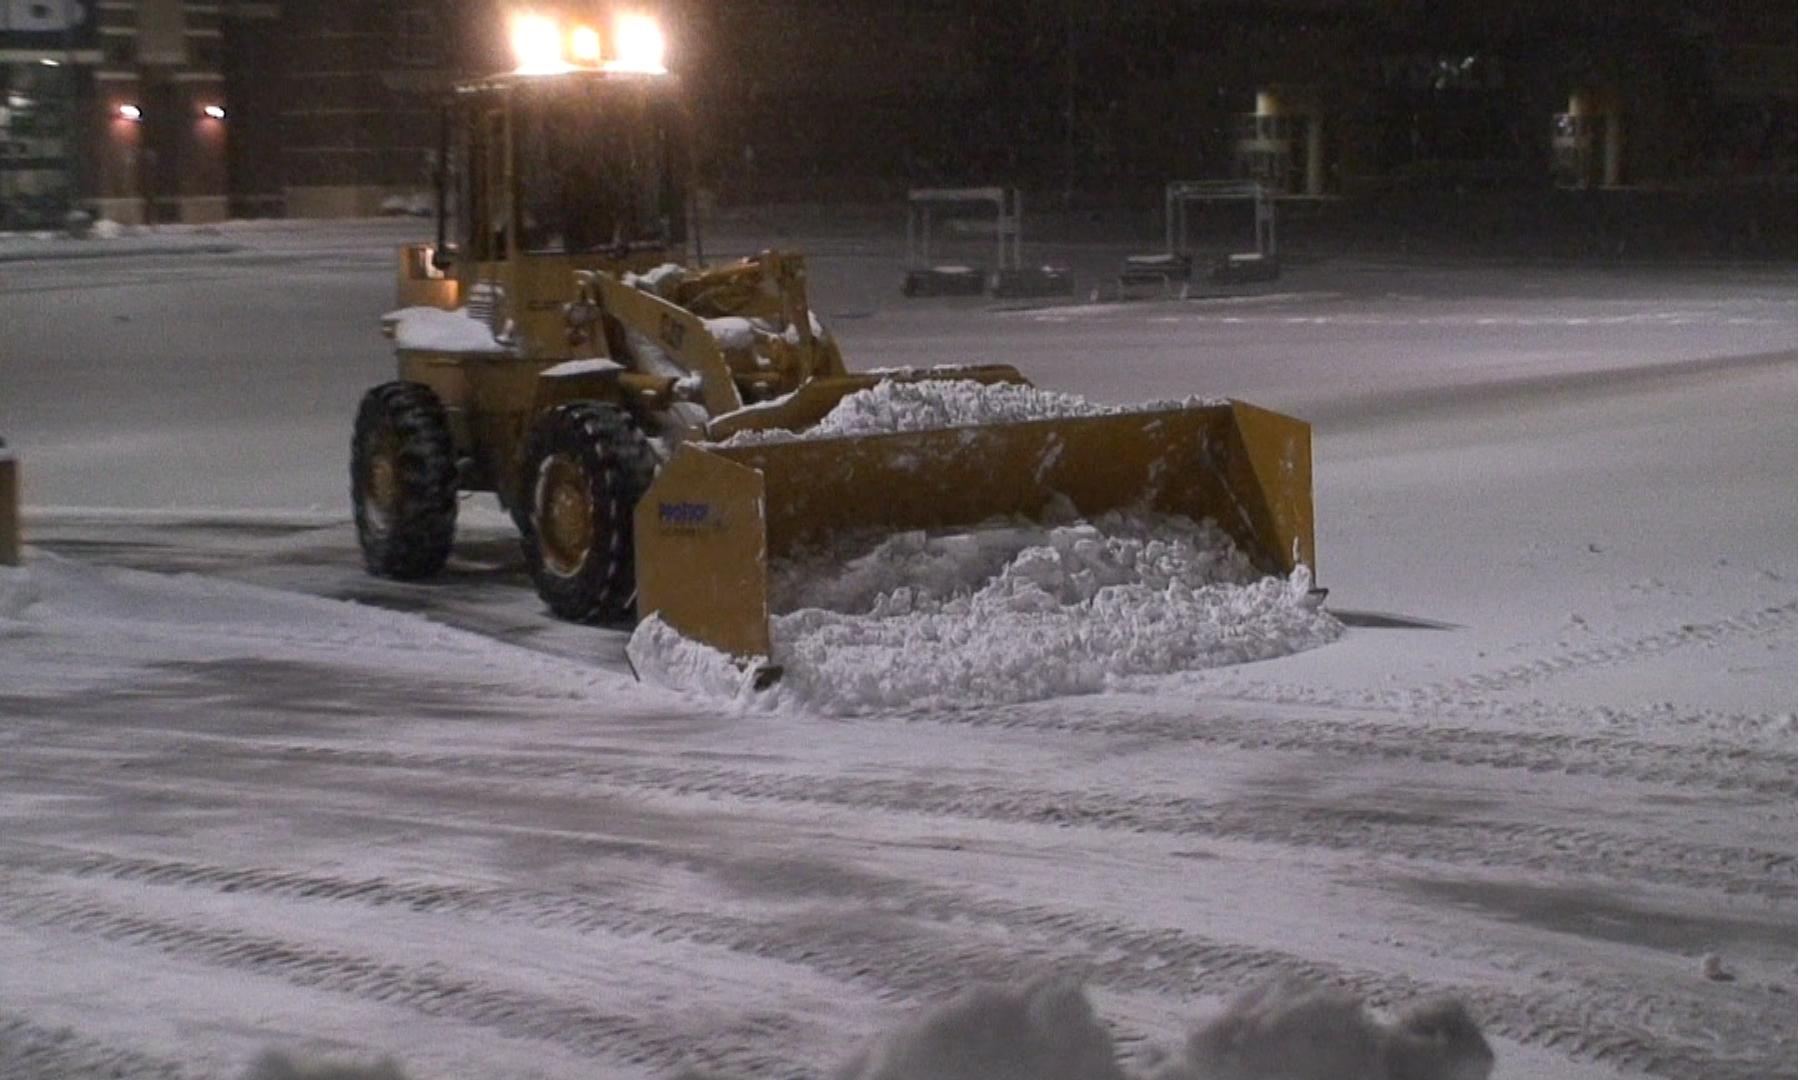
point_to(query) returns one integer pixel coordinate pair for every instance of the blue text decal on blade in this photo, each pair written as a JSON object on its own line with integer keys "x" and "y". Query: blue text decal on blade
{"x": 683, "y": 513}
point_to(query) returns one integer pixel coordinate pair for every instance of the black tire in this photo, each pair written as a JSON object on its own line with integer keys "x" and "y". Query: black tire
{"x": 585, "y": 467}
{"x": 403, "y": 481}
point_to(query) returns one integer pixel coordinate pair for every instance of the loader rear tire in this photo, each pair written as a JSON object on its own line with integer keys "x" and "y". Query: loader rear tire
{"x": 585, "y": 467}
{"x": 403, "y": 481}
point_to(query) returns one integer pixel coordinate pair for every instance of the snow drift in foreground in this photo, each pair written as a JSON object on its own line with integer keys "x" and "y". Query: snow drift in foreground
{"x": 930, "y": 404}
{"x": 1005, "y": 614}
{"x": 1291, "y": 1030}
{"x": 1284, "y": 1030}
{"x": 1047, "y": 1029}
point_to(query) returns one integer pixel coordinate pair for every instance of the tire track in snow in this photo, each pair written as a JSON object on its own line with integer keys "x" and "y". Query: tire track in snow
{"x": 1462, "y": 696}
{"x": 1757, "y": 622}
{"x": 1630, "y": 1030}
{"x": 1711, "y": 734}
{"x": 1717, "y": 766}
{"x": 510, "y": 1013}
{"x": 1392, "y": 833}
{"x": 29, "y": 1051}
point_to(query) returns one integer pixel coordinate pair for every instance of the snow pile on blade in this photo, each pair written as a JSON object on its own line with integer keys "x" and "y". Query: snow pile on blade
{"x": 1008, "y": 613}
{"x": 928, "y": 404}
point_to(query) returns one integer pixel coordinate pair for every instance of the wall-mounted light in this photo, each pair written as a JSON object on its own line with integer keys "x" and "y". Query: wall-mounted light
{"x": 216, "y": 112}
{"x": 47, "y": 62}
{"x": 131, "y": 113}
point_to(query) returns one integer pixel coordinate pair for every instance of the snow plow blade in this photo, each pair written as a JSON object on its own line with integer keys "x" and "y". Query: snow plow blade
{"x": 716, "y": 516}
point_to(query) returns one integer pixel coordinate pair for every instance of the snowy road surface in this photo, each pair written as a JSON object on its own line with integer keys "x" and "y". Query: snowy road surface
{"x": 251, "y": 797}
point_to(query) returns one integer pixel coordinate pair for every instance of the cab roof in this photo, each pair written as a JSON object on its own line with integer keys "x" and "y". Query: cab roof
{"x": 505, "y": 82}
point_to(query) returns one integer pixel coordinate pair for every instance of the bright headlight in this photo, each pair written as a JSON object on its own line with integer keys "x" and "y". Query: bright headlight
{"x": 584, "y": 45}
{"x": 537, "y": 45}
{"x": 637, "y": 45}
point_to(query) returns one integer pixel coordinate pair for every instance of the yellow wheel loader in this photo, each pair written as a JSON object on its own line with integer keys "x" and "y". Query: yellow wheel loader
{"x": 563, "y": 346}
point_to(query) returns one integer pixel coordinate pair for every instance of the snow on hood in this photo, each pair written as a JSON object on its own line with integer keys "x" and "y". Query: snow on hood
{"x": 441, "y": 331}
{"x": 1004, "y": 613}
{"x": 739, "y": 332}
{"x": 732, "y": 332}
{"x": 592, "y": 366}
{"x": 654, "y": 279}
{"x": 929, "y": 404}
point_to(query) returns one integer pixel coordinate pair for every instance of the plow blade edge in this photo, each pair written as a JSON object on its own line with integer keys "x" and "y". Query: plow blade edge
{"x": 715, "y": 516}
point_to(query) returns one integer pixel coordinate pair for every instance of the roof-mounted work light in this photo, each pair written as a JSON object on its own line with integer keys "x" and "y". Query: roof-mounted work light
{"x": 543, "y": 46}
{"x": 584, "y": 46}
{"x": 637, "y": 45}
{"x": 538, "y": 45}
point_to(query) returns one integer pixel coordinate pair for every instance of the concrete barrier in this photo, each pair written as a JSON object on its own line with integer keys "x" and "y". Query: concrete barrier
{"x": 11, "y": 543}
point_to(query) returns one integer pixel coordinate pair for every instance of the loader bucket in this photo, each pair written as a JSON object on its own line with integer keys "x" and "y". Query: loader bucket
{"x": 716, "y": 516}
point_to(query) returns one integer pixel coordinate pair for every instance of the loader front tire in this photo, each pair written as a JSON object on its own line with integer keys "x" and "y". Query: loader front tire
{"x": 403, "y": 481}
{"x": 585, "y": 467}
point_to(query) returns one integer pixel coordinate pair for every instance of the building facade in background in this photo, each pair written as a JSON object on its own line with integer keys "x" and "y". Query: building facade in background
{"x": 197, "y": 110}
{"x": 40, "y": 156}
{"x": 113, "y": 106}
{"x": 192, "y": 110}
{"x": 345, "y": 98}
{"x": 44, "y": 49}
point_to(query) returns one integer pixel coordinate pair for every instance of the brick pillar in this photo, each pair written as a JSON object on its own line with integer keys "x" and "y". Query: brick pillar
{"x": 118, "y": 149}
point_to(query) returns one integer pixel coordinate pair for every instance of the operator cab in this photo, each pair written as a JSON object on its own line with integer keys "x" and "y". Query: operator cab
{"x": 596, "y": 170}
{"x": 573, "y": 161}
{"x": 582, "y": 164}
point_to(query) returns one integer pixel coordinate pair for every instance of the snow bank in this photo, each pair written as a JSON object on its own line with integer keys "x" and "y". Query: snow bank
{"x": 1005, "y": 613}
{"x": 929, "y": 404}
